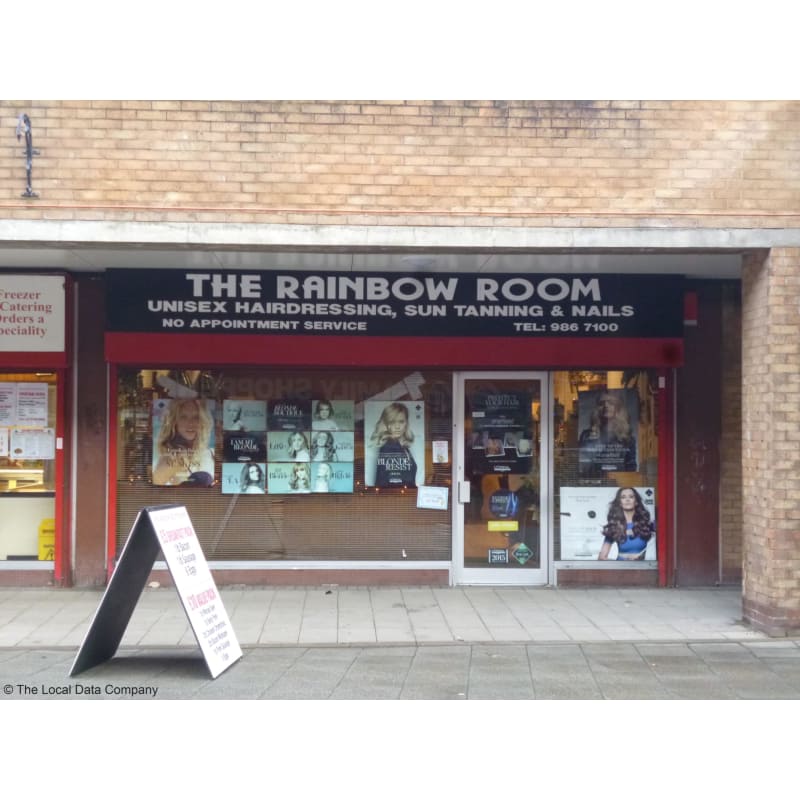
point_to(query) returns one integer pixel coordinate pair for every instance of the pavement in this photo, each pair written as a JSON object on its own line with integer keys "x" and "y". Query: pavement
{"x": 407, "y": 643}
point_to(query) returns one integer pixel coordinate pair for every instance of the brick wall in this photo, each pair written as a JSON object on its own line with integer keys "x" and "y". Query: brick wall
{"x": 730, "y": 486}
{"x": 771, "y": 445}
{"x": 407, "y": 162}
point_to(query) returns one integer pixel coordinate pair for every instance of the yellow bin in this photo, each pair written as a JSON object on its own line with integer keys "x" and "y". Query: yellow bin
{"x": 47, "y": 540}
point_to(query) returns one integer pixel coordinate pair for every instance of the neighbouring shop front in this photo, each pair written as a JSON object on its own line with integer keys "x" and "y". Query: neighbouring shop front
{"x": 33, "y": 427}
{"x": 367, "y": 427}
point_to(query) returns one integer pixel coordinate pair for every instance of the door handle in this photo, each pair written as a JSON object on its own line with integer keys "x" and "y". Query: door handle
{"x": 464, "y": 489}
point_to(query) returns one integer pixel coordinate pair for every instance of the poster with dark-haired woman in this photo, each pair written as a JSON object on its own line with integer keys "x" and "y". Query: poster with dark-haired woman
{"x": 608, "y": 523}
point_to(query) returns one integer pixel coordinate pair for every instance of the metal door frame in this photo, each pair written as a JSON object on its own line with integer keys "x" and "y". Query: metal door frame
{"x": 489, "y": 576}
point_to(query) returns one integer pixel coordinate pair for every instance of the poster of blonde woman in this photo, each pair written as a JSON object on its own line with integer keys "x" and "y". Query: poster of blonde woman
{"x": 608, "y": 421}
{"x": 183, "y": 442}
{"x": 394, "y": 443}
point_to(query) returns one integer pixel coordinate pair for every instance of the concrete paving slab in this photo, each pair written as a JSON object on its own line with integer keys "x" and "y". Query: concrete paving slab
{"x": 377, "y": 673}
{"x": 500, "y": 673}
{"x": 562, "y": 672}
{"x": 777, "y": 648}
{"x": 314, "y": 676}
{"x": 438, "y": 673}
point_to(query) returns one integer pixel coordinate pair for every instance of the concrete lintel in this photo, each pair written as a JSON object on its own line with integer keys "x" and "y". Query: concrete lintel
{"x": 66, "y": 233}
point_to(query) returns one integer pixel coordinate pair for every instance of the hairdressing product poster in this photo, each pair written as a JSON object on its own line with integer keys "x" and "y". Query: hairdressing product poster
{"x": 519, "y": 442}
{"x": 501, "y": 439}
{"x": 289, "y": 478}
{"x": 608, "y": 425}
{"x": 332, "y": 415}
{"x": 331, "y": 477}
{"x": 332, "y": 446}
{"x": 587, "y": 510}
{"x": 289, "y": 415}
{"x": 499, "y": 410}
{"x": 244, "y": 478}
{"x": 394, "y": 443}
{"x": 244, "y": 415}
{"x": 183, "y": 442}
{"x": 289, "y": 445}
{"x": 242, "y": 446}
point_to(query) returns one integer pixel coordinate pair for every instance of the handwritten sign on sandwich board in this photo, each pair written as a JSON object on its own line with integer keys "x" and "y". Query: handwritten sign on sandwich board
{"x": 169, "y": 529}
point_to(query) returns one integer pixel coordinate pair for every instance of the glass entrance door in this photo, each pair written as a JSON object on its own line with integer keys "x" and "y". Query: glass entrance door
{"x": 501, "y": 453}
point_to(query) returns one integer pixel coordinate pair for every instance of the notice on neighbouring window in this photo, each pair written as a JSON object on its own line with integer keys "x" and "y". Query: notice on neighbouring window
{"x": 31, "y": 404}
{"x": 32, "y": 443}
{"x": 8, "y": 403}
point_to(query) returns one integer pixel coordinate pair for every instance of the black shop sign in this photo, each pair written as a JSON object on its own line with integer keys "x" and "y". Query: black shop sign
{"x": 394, "y": 304}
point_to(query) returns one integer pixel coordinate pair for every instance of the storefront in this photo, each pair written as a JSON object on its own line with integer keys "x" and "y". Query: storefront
{"x": 368, "y": 427}
{"x": 33, "y": 427}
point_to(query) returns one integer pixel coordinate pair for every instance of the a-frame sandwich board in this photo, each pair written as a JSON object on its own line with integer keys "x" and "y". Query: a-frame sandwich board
{"x": 167, "y": 528}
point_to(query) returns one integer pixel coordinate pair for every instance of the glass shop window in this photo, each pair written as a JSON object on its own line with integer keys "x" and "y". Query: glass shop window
{"x": 605, "y": 466}
{"x": 289, "y": 465}
{"x": 27, "y": 465}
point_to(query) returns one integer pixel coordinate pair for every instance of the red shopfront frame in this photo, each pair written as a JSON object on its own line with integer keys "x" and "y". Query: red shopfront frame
{"x": 269, "y": 351}
{"x": 495, "y": 352}
{"x": 58, "y": 362}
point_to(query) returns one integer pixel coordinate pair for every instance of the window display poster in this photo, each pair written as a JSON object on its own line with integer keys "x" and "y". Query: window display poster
{"x": 587, "y": 510}
{"x": 32, "y": 404}
{"x": 3, "y": 442}
{"x": 394, "y": 443}
{"x": 311, "y": 447}
{"x": 183, "y": 442}
{"x": 608, "y": 421}
{"x": 244, "y": 478}
{"x": 333, "y": 415}
{"x": 244, "y": 415}
{"x": 288, "y": 478}
{"x": 317, "y": 478}
{"x": 334, "y": 477}
{"x": 501, "y": 439}
{"x": 499, "y": 410}
{"x": 8, "y": 403}
{"x": 440, "y": 450}
{"x": 241, "y": 446}
{"x": 33, "y": 443}
{"x": 432, "y": 497}
{"x": 289, "y": 446}
{"x": 332, "y": 446}
{"x": 289, "y": 415}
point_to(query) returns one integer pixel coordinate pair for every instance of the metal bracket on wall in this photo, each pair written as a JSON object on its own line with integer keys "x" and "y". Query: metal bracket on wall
{"x": 24, "y": 129}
